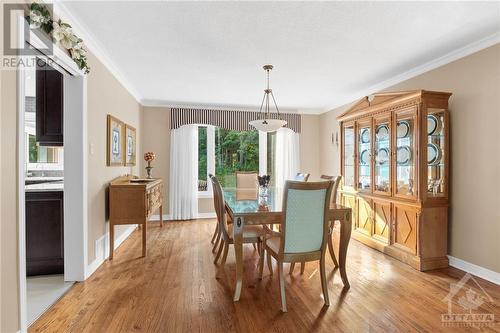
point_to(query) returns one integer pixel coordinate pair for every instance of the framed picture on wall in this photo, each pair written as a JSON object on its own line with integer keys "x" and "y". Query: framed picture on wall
{"x": 130, "y": 145}
{"x": 115, "y": 147}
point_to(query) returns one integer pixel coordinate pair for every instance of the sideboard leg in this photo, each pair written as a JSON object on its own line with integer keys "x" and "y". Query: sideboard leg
{"x": 161, "y": 216}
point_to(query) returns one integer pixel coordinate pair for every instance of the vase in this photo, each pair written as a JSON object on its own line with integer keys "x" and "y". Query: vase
{"x": 149, "y": 168}
{"x": 263, "y": 191}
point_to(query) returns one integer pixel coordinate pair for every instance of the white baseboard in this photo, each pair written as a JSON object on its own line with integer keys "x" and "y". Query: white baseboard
{"x": 155, "y": 218}
{"x": 102, "y": 253}
{"x": 210, "y": 215}
{"x": 476, "y": 270}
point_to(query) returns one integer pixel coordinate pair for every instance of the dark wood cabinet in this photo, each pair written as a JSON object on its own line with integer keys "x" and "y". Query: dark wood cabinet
{"x": 49, "y": 105}
{"x": 44, "y": 233}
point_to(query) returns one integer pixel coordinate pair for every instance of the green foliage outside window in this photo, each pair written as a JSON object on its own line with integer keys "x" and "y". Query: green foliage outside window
{"x": 235, "y": 151}
{"x": 32, "y": 149}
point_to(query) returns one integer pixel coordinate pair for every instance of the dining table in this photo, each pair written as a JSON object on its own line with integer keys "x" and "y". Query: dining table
{"x": 263, "y": 206}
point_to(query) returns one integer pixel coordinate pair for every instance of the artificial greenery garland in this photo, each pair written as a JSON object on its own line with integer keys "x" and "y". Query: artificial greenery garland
{"x": 61, "y": 33}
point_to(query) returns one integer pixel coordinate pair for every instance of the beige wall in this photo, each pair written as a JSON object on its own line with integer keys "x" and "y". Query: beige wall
{"x": 157, "y": 138}
{"x": 474, "y": 111}
{"x": 309, "y": 148}
{"x": 105, "y": 95}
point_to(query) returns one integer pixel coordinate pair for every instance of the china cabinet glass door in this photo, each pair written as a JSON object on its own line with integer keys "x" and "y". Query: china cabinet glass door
{"x": 436, "y": 153}
{"x": 349, "y": 152}
{"x": 364, "y": 156}
{"x": 405, "y": 164}
{"x": 382, "y": 150}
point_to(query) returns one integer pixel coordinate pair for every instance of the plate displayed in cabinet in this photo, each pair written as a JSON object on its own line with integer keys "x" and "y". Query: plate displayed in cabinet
{"x": 382, "y": 132}
{"x": 382, "y": 156}
{"x": 364, "y": 157}
{"x": 434, "y": 125}
{"x": 403, "y": 129}
{"x": 365, "y": 135}
{"x": 403, "y": 155}
{"x": 434, "y": 154}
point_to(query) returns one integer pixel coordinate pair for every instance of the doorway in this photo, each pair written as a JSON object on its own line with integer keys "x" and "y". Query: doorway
{"x": 71, "y": 160}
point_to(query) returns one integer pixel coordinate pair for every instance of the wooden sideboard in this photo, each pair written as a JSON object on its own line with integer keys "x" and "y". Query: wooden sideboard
{"x": 133, "y": 203}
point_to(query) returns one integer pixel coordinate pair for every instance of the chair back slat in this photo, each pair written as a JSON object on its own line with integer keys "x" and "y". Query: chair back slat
{"x": 220, "y": 206}
{"x": 305, "y": 222}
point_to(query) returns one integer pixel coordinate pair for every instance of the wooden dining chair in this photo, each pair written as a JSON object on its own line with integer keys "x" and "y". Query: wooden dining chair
{"x": 246, "y": 179}
{"x": 301, "y": 177}
{"x": 251, "y": 234}
{"x": 336, "y": 182}
{"x": 304, "y": 232}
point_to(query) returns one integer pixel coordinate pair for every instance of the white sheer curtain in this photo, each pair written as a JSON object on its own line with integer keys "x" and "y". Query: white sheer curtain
{"x": 183, "y": 179}
{"x": 287, "y": 155}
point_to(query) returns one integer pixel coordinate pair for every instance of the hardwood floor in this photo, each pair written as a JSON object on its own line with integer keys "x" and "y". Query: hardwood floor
{"x": 177, "y": 288}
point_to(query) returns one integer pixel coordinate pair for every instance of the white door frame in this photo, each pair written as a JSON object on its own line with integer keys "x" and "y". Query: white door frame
{"x": 75, "y": 167}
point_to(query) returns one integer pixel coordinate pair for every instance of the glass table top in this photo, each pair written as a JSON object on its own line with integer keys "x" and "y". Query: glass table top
{"x": 248, "y": 200}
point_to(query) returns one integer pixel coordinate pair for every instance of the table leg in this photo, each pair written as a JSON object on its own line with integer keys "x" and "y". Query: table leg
{"x": 345, "y": 236}
{"x": 111, "y": 240}
{"x": 238, "y": 249}
{"x": 144, "y": 228}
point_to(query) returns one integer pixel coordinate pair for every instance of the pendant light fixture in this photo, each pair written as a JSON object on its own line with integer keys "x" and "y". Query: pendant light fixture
{"x": 267, "y": 122}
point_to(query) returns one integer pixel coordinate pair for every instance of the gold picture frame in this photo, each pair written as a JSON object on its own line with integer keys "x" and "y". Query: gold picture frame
{"x": 114, "y": 145}
{"x": 130, "y": 145}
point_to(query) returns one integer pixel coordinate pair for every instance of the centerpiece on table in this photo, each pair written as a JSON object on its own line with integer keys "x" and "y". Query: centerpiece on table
{"x": 149, "y": 157}
{"x": 264, "y": 182}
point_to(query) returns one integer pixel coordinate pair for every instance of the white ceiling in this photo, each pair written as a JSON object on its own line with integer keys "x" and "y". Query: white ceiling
{"x": 325, "y": 53}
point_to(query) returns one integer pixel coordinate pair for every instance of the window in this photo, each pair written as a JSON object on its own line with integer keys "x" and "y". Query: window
{"x": 202, "y": 159}
{"x": 222, "y": 152}
{"x": 235, "y": 151}
{"x": 39, "y": 154}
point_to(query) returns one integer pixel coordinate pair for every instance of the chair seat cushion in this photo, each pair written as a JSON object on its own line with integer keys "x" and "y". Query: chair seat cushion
{"x": 273, "y": 244}
{"x": 249, "y": 231}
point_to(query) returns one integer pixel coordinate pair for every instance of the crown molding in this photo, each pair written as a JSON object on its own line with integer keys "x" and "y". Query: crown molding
{"x": 454, "y": 55}
{"x": 93, "y": 45}
{"x": 228, "y": 107}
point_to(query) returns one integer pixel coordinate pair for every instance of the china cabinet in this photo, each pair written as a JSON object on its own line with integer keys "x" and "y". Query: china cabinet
{"x": 395, "y": 174}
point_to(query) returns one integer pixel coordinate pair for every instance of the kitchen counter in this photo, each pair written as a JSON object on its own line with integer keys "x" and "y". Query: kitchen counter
{"x": 43, "y": 179}
{"x": 45, "y": 187}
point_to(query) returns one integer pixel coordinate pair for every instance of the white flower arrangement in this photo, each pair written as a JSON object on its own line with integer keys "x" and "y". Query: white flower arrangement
{"x": 63, "y": 35}
{"x": 37, "y": 19}
{"x": 61, "y": 32}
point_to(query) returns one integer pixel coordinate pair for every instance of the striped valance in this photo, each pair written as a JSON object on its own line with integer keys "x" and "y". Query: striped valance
{"x": 231, "y": 120}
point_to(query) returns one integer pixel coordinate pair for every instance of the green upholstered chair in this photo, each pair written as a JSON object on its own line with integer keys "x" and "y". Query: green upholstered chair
{"x": 304, "y": 230}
